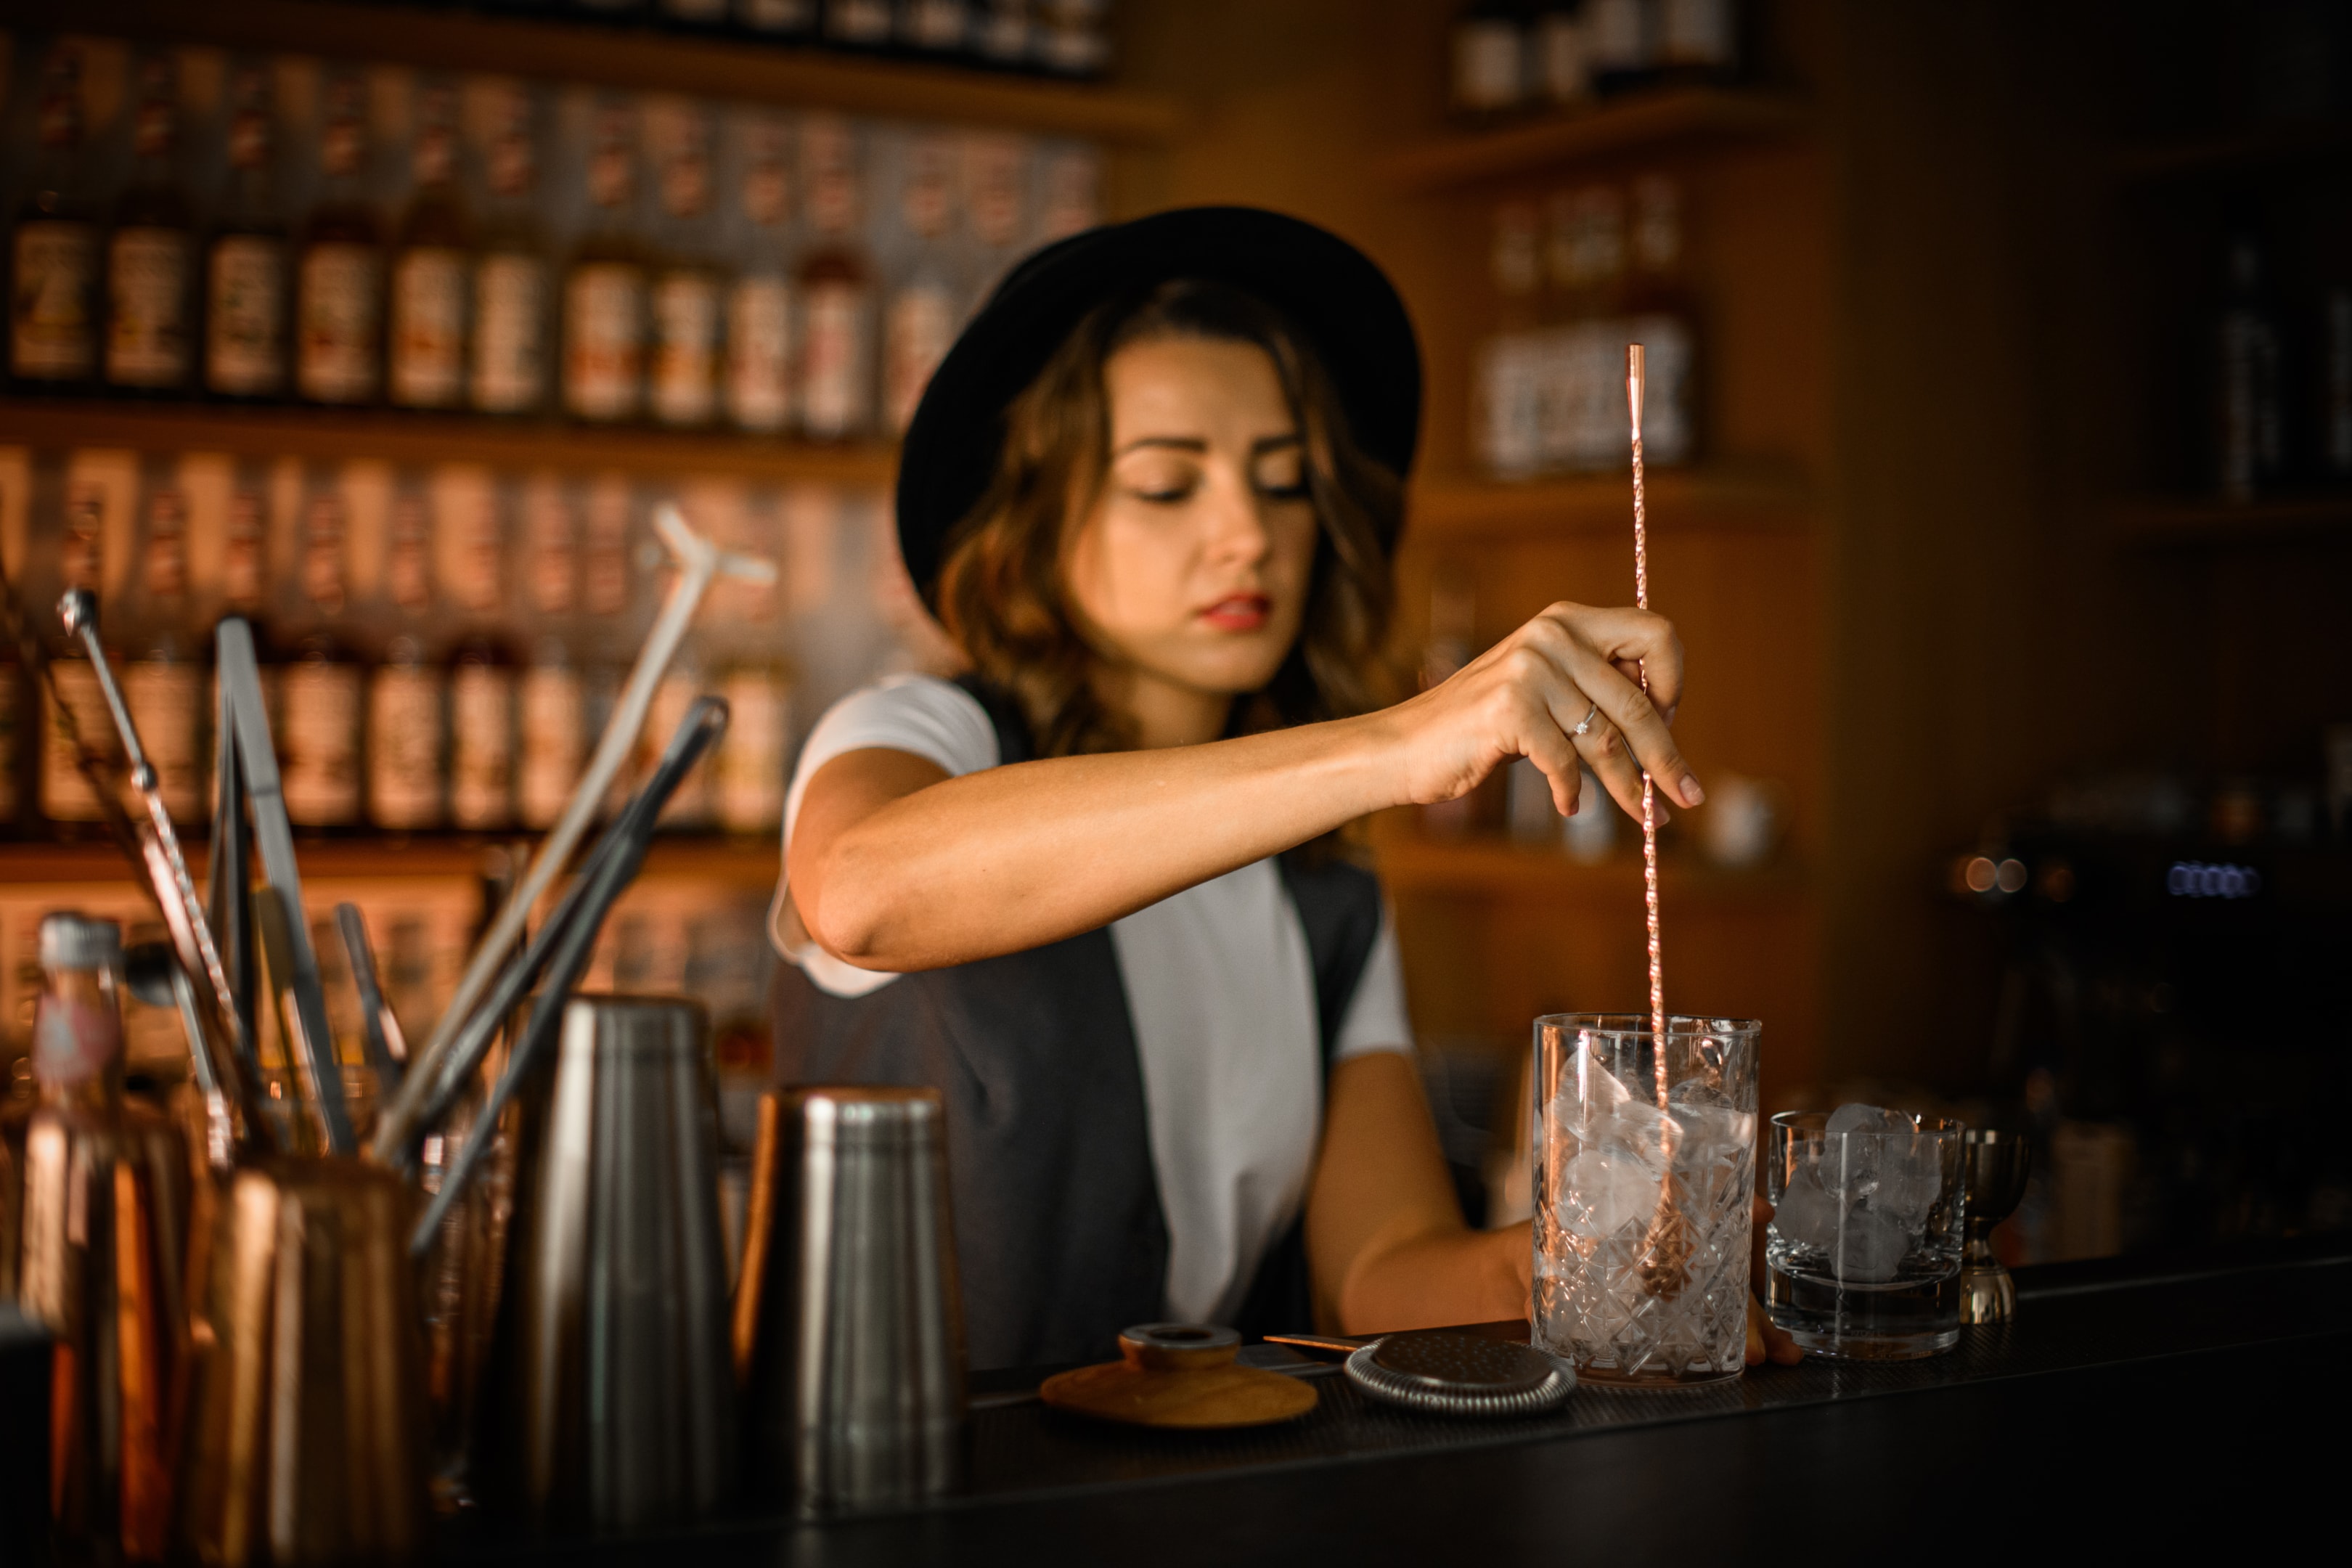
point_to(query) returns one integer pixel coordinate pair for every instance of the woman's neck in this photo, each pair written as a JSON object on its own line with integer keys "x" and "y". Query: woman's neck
{"x": 1162, "y": 712}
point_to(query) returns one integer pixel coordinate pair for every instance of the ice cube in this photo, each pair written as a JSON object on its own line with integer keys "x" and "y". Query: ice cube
{"x": 1858, "y": 1118}
{"x": 1871, "y": 1245}
{"x": 1910, "y": 1178}
{"x": 1853, "y": 1147}
{"x": 1807, "y": 1215}
{"x": 1603, "y": 1189}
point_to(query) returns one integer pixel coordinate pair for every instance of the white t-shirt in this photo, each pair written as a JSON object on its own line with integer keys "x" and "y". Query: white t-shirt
{"x": 1220, "y": 994}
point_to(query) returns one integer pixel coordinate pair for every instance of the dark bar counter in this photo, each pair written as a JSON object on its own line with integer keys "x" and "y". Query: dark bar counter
{"x": 2133, "y": 1402}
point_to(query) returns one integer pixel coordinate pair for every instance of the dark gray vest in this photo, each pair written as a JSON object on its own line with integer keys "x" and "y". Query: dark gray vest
{"x": 1059, "y": 1235}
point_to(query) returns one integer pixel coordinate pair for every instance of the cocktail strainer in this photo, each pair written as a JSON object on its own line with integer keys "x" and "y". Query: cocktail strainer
{"x": 1443, "y": 1373}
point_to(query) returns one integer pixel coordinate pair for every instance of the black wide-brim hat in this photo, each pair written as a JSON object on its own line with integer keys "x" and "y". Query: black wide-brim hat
{"x": 1339, "y": 301}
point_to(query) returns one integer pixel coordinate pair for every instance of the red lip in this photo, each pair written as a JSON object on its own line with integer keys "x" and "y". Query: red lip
{"x": 1239, "y": 611}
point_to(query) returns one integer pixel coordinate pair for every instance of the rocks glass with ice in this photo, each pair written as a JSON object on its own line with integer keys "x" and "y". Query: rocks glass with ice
{"x": 1863, "y": 1252}
{"x": 1641, "y": 1214}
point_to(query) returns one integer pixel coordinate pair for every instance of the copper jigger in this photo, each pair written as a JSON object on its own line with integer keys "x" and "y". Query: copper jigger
{"x": 623, "y": 1409}
{"x": 306, "y": 1438}
{"x": 1998, "y": 1164}
{"x": 848, "y": 1320}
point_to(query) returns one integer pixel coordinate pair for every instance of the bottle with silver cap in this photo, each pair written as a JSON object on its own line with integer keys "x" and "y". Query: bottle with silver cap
{"x": 96, "y": 1238}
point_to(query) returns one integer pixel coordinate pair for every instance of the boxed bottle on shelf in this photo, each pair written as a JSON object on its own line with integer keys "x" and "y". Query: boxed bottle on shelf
{"x": 1508, "y": 57}
{"x": 352, "y": 235}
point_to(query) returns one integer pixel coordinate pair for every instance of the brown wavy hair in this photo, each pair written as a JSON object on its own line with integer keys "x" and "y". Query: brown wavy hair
{"x": 1001, "y": 594}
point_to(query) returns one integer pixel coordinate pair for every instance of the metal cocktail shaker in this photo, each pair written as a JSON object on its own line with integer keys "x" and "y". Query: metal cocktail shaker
{"x": 623, "y": 1409}
{"x": 848, "y": 1318}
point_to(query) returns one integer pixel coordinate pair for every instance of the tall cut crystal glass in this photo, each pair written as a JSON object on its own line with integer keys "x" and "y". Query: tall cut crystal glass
{"x": 1642, "y": 1213}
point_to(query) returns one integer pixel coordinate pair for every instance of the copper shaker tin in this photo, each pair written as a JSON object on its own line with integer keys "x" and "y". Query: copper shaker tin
{"x": 848, "y": 1326}
{"x": 623, "y": 1409}
{"x": 306, "y": 1428}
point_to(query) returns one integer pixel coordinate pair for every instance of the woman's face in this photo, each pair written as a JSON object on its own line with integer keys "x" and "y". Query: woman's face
{"x": 1191, "y": 568}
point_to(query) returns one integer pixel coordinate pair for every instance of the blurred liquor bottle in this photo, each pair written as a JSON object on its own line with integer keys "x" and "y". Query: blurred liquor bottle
{"x": 683, "y": 386}
{"x": 934, "y": 29}
{"x": 1506, "y": 417}
{"x": 996, "y": 171}
{"x": 406, "y": 721}
{"x": 551, "y": 705}
{"x": 1560, "y": 56}
{"x": 861, "y": 25}
{"x": 338, "y": 273}
{"x": 1452, "y": 619}
{"x": 151, "y": 256}
{"x": 1074, "y": 38}
{"x": 776, "y": 21}
{"x": 926, "y": 307}
{"x": 245, "y": 265}
{"x": 1003, "y": 34}
{"x": 432, "y": 266}
{"x": 163, "y": 685}
{"x": 2249, "y": 425}
{"x": 482, "y": 668}
{"x": 605, "y": 292}
{"x": 322, "y": 686}
{"x": 53, "y": 282}
{"x": 1622, "y": 40}
{"x": 751, "y": 756}
{"x": 75, "y": 716}
{"x": 1487, "y": 48}
{"x": 1663, "y": 316}
{"x": 758, "y": 362}
{"x": 836, "y": 289}
{"x": 1698, "y": 40}
{"x": 511, "y": 276}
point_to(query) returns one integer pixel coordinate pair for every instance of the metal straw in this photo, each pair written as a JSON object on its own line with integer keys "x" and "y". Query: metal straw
{"x": 699, "y": 562}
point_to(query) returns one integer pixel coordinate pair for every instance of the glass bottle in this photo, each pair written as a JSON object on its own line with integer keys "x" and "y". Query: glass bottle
{"x": 1559, "y": 55}
{"x": 605, "y": 291}
{"x": 339, "y": 278}
{"x": 245, "y": 266}
{"x": 103, "y": 1218}
{"x": 1002, "y": 34}
{"x": 777, "y": 21}
{"x": 862, "y": 24}
{"x": 151, "y": 256}
{"x": 510, "y": 278}
{"x": 925, "y": 308}
{"x": 996, "y": 201}
{"x": 2249, "y": 427}
{"x": 836, "y": 289}
{"x": 683, "y": 386}
{"x": 404, "y": 697}
{"x": 52, "y": 324}
{"x": 320, "y": 687}
{"x": 67, "y": 801}
{"x": 554, "y": 734}
{"x": 432, "y": 267}
{"x": 1698, "y": 40}
{"x": 751, "y": 766}
{"x": 1073, "y": 39}
{"x": 760, "y": 304}
{"x": 162, "y": 686}
{"x": 1487, "y": 48}
{"x": 1663, "y": 316}
{"x": 938, "y": 29}
{"x": 482, "y": 681}
{"x": 1621, "y": 42}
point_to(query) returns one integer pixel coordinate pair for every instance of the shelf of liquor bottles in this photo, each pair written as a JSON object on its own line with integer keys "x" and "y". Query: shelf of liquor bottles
{"x": 1485, "y": 863}
{"x": 319, "y": 434}
{"x": 739, "y": 863}
{"x": 1747, "y": 499}
{"x": 1638, "y": 124}
{"x": 450, "y": 39}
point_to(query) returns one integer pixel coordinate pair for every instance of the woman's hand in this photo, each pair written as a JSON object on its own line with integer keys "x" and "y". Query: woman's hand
{"x": 1526, "y": 696}
{"x": 1764, "y": 1340}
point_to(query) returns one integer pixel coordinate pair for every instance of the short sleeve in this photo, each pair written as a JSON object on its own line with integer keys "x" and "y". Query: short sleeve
{"x": 921, "y": 714}
{"x": 1375, "y": 1020}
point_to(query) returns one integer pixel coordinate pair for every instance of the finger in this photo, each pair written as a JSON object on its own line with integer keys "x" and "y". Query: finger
{"x": 1756, "y": 1350}
{"x": 1780, "y": 1344}
{"x": 1643, "y": 730}
{"x": 1604, "y": 749}
{"x": 1549, "y": 749}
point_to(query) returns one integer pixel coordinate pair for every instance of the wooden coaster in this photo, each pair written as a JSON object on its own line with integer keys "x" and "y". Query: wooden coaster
{"x": 1179, "y": 1375}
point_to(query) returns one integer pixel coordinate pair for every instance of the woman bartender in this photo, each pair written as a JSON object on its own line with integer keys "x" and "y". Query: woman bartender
{"x": 1088, "y": 890}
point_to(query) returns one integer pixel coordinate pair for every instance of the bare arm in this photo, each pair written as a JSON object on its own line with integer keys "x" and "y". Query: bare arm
{"x": 1385, "y": 1241}
{"x": 894, "y": 866}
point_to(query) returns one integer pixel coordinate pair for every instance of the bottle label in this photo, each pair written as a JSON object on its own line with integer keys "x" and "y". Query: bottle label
{"x": 685, "y": 331}
{"x": 147, "y": 333}
{"x": 553, "y": 742}
{"x": 603, "y": 339}
{"x": 243, "y": 553}
{"x": 408, "y": 565}
{"x": 49, "y": 337}
{"x": 835, "y": 390}
{"x": 859, "y": 21}
{"x": 1563, "y": 63}
{"x": 554, "y": 571}
{"x": 319, "y": 747}
{"x": 777, "y": 15}
{"x": 428, "y": 327}
{"x": 938, "y": 23}
{"x": 604, "y": 582}
{"x": 482, "y": 728}
{"x": 164, "y": 697}
{"x": 335, "y": 338}
{"x": 759, "y": 353}
{"x": 921, "y": 326}
{"x": 66, "y": 795}
{"x": 690, "y": 806}
{"x": 404, "y": 748}
{"x": 74, "y": 1040}
{"x": 510, "y": 316}
{"x": 245, "y": 303}
{"x": 995, "y": 171}
{"x": 1488, "y": 72}
{"x": 751, "y": 757}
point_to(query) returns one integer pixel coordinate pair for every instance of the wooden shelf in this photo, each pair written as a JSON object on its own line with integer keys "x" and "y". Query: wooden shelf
{"x": 745, "y": 865}
{"x": 1642, "y": 124}
{"x": 626, "y": 58}
{"x": 1487, "y": 866}
{"x": 427, "y": 438}
{"x": 2243, "y": 152}
{"x": 2161, "y": 523}
{"x": 1704, "y": 500}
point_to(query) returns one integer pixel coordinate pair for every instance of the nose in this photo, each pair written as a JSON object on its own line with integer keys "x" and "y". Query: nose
{"x": 1235, "y": 521}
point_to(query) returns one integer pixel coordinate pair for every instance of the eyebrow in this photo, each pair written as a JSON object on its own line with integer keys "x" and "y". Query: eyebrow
{"x": 1258, "y": 447}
